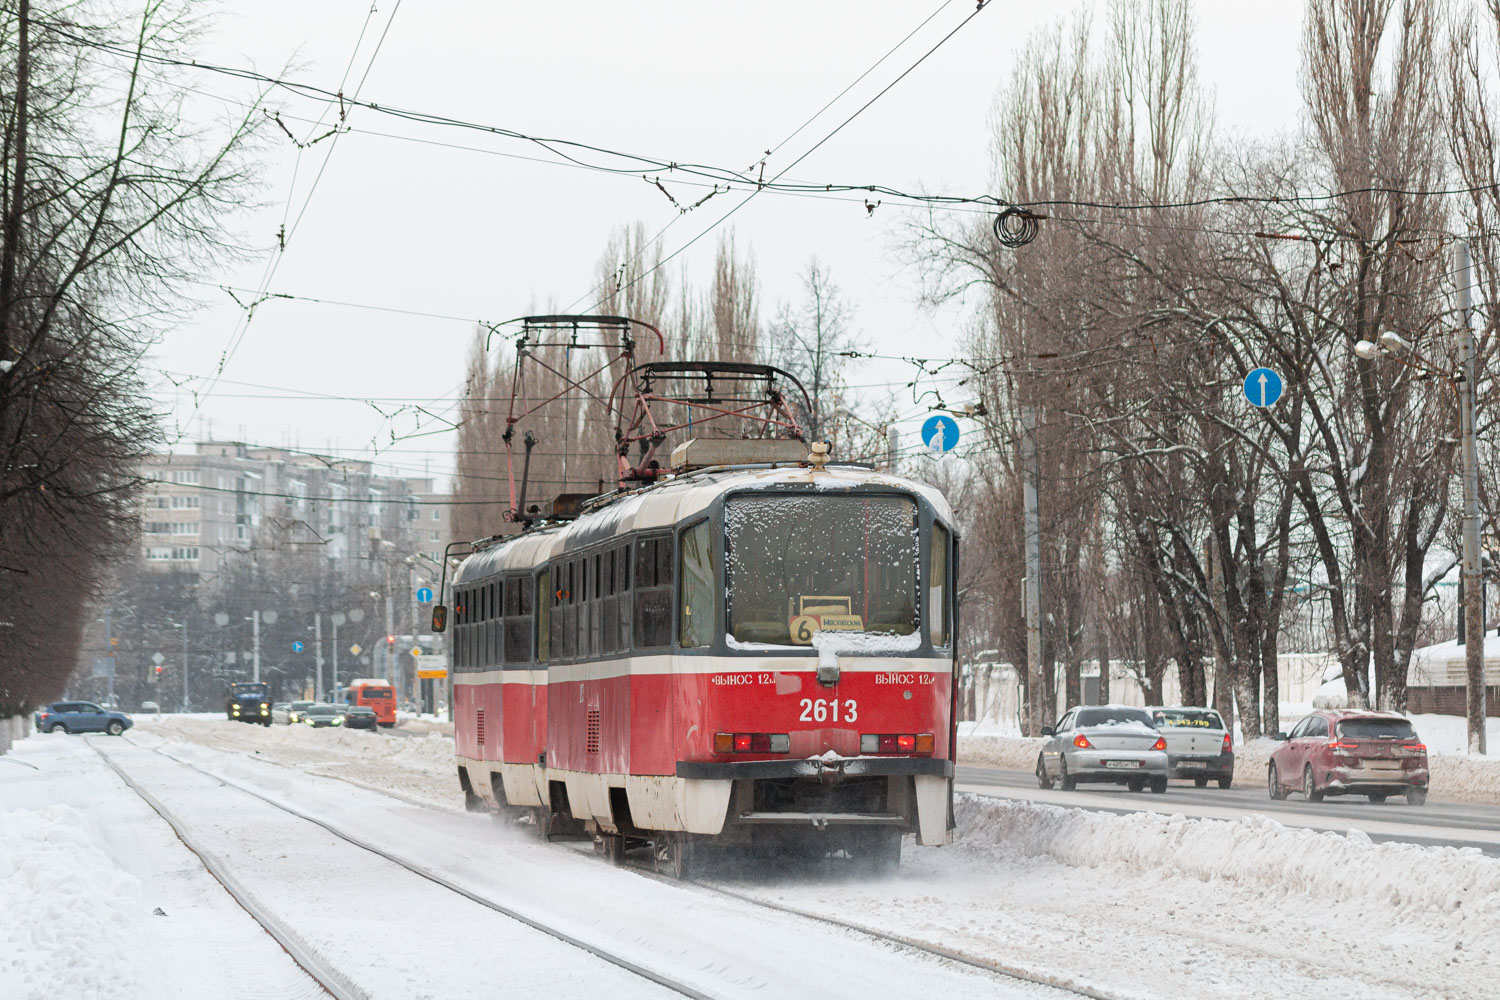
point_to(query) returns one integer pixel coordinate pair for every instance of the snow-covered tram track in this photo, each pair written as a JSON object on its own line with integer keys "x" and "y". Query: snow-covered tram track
{"x": 327, "y": 977}
{"x": 335, "y": 982}
{"x": 733, "y": 947}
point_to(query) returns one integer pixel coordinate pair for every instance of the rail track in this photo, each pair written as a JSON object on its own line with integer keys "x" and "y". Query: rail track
{"x": 1003, "y": 973}
{"x": 334, "y": 982}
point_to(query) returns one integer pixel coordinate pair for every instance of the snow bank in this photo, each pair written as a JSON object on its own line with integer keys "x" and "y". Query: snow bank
{"x": 1254, "y": 852}
{"x": 68, "y": 914}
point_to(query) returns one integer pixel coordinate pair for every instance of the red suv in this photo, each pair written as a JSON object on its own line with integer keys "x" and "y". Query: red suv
{"x": 1376, "y": 754}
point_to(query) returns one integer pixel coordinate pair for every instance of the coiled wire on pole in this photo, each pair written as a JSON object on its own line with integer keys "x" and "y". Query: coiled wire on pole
{"x": 1015, "y": 227}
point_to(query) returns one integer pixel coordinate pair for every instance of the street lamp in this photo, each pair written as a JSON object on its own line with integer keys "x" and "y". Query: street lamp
{"x": 1462, "y": 380}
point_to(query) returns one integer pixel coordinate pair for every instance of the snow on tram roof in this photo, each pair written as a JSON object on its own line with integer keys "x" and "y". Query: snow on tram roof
{"x": 666, "y": 503}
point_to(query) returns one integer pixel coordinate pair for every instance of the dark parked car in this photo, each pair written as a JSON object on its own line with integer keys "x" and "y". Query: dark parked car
{"x": 1376, "y": 754}
{"x": 81, "y": 717}
{"x": 360, "y": 717}
{"x": 321, "y": 715}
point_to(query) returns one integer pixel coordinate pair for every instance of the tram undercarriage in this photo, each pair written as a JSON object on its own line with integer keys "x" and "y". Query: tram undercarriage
{"x": 856, "y": 818}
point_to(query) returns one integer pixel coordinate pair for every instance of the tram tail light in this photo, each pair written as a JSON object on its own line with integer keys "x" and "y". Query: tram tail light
{"x": 911, "y": 743}
{"x": 752, "y": 743}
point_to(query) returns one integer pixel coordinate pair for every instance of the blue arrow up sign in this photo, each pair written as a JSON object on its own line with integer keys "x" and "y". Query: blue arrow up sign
{"x": 1263, "y": 387}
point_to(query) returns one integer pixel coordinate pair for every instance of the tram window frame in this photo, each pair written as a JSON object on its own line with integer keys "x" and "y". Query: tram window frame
{"x": 696, "y": 633}
{"x": 654, "y": 615}
{"x": 623, "y": 597}
{"x": 543, "y": 630}
{"x": 517, "y": 635}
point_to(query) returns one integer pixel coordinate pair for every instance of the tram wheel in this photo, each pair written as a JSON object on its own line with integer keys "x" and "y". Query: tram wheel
{"x": 679, "y": 855}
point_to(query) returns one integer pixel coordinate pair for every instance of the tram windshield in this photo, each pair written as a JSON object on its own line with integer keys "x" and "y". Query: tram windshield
{"x": 799, "y": 565}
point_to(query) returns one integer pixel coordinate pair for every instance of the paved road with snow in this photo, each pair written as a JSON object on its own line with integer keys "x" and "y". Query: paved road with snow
{"x": 1451, "y": 824}
{"x": 1136, "y": 907}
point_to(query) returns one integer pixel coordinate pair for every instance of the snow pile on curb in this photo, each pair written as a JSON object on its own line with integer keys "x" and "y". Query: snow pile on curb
{"x": 1253, "y": 852}
{"x": 1014, "y": 753}
{"x": 62, "y": 898}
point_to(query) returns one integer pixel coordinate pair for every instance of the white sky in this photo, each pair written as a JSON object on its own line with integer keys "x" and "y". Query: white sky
{"x": 420, "y": 227}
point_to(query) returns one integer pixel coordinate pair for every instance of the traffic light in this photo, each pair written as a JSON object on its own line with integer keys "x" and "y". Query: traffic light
{"x": 158, "y": 670}
{"x": 390, "y": 640}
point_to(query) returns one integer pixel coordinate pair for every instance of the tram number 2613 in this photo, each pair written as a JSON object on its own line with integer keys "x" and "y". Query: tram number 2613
{"x": 828, "y": 710}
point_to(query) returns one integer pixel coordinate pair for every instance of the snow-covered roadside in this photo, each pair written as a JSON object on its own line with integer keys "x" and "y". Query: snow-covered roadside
{"x": 1159, "y": 906}
{"x": 1455, "y": 777}
{"x": 98, "y": 898}
{"x": 414, "y": 767}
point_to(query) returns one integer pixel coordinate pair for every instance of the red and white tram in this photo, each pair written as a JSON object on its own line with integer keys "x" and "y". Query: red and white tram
{"x": 754, "y": 655}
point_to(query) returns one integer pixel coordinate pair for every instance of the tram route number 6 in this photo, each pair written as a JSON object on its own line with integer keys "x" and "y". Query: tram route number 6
{"x": 827, "y": 710}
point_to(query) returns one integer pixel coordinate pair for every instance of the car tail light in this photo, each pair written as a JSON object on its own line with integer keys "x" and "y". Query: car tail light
{"x": 895, "y": 743}
{"x": 1082, "y": 742}
{"x": 1405, "y": 746}
{"x": 1161, "y": 743}
{"x": 1228, "y": 744}
{"x": 1342, "y": 745}
{"x": 752, "y": 743}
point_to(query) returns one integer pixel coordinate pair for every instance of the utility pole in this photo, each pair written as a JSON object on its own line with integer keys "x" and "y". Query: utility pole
{"x": 255, "y": 644}
{"x": 1032, "y": 586}
{"x": 318, "y": 655}
{"x": 109, "y": 651}
{"x": 186, "y": 704}
{"x": 1472, "y": 571}
{"x": 334, "y": 680}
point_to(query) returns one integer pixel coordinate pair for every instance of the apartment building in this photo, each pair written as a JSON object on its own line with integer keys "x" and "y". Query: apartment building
{"x": 202, "y": 508}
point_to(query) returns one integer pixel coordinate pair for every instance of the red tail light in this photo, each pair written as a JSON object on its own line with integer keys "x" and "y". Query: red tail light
{"x": 1161, "y": 743}
{"x": 1081, "y": 741}
{"x": 1406, "y": 746}
{"x": 1342, "y": 745}
{"x": 1228, "y": 744}
{"x": 742, "y": 743}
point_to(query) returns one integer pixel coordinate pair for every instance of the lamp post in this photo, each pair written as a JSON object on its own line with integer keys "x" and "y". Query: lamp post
{"x": 186, "y": 702}
{"x": 1463, "y": 381}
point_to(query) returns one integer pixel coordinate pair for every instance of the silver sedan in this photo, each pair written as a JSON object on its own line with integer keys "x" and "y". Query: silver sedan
{"x": 1109, "y": 743}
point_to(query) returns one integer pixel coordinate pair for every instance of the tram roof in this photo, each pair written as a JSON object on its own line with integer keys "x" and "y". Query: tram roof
{"x": 667, "y": 503}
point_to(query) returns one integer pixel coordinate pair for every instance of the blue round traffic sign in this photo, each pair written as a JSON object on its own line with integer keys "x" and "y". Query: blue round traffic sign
{"x": 297, "y": 647}
{"x": 1263, "y": 387}
{"x": 425, "y": 595}
{"x": 940, "y": 432}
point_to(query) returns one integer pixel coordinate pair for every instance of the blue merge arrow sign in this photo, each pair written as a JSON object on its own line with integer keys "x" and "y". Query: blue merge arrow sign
{"x": 1263, "y": 387}
{"x": 425, "y": 595}
{"x": 940, "y": 432}
{"x": 297, "y": 647}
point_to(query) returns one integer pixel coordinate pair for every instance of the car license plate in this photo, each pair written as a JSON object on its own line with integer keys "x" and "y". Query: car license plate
{"x": 1192, "y": 763}
{"x": 1122, "y": 763}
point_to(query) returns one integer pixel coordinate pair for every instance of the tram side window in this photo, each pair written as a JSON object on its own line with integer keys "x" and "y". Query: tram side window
{"x": 460, "y": 617}
{"x": 543, "y": 615}
{"x": 496, "y": 626}
{"x": 517, "y": 621}
{"x": 653, "y": 592}
{"x": 562, "y": 611}
{"x": 939, "y": 586}
{"x": 695, "y": 618}
{"x": 622, "y": 595}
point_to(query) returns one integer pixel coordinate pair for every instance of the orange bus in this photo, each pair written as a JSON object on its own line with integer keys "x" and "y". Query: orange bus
{"x": 374, "y": 694}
